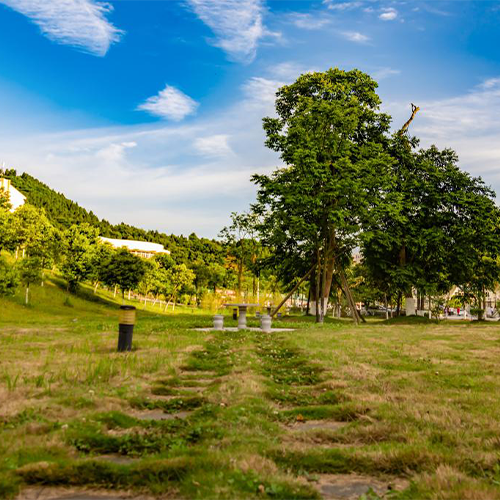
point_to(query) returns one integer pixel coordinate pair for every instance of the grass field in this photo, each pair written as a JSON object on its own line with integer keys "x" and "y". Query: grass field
{"x": 392, "y": 409}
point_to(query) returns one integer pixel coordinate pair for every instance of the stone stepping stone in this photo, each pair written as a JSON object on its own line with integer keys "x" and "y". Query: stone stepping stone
{"x": 318, "y": 425}
{"x": 160, "y": 415}
{"x": 353, "y": 486}
{"x": 191, "y": 388}
{"x": 164, "y": 397}
{"x": 116, "y": 459}
{"x": 57, "y": 493}
{"x": 84, "y": 496}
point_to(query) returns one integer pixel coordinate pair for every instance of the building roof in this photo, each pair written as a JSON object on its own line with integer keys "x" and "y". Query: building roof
{"x": 136, "y": 246}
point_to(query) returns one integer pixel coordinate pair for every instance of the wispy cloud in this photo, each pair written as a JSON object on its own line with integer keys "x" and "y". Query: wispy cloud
{"x": 354, "y": 36}
{"x": 79, "y": 23}
{"x": 237, "y": 24}
{"x": 214, "y": 145}
{"x": 170, "y": 103}
{"x": 308, "y": 21}
{"x": 388, "y": 14}
{"x": 382, "y": 73}
{"x": 341, "y": 6}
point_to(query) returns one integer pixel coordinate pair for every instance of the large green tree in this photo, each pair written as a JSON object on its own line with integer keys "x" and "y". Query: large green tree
{"x": 441, "y": 227}
{"x": 331, "y": 137}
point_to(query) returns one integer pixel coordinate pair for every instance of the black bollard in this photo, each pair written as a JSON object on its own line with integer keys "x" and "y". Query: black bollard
{"x": 235, "y": 313}
{"x": 126, "y": 328}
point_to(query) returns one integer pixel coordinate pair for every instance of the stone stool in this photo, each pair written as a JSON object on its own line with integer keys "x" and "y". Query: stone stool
{"x": 218, "y": 322}
{"x": 265, "y": 323}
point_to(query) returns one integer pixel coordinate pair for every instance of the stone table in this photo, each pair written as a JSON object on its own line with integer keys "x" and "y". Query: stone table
{"x": 242, "y": 316}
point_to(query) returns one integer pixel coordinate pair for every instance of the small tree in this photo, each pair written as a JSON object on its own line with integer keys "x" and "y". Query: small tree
{"x": 80, "y": 244}
{"x": 30, "y": 271}
{"x": 242, "y": 246}
{"x": 178, "y": 276}
{"x": 124, "y": 270}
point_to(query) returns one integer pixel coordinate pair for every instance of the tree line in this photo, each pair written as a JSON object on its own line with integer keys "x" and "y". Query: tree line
{"x": 31, "y": 243}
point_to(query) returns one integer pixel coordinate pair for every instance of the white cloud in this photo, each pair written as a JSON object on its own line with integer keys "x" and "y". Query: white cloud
{"x": 237, "y": 24}
{"x": 308, "y": 21}
{"x": 261, "y": 92}
{"x": 79, "y": 23}
{"x": 170, "y": 103}
{"x": 388, "y": 14}
{"x": 354, "y": 36}
{"x": 383, "y": 73}
{"x": 115, "y": 152}
{"x": 342, "y": 6}
{"x": 214, "y": 145}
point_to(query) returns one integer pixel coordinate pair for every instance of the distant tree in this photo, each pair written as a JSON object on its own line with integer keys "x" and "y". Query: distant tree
{"x": 80, "y": 244}
{"x": 32, "y": 233}
{"x": 240, "y": 240}
{"x": 178, "y": 276}
{"x": 30, "y": 272}
{"x": 9, "y": 278}
{"x": 98, "y": 263}
{"x": 124, "y": 270}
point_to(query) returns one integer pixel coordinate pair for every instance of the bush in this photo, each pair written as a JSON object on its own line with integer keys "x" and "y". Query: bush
{"x": 9, "y": 278}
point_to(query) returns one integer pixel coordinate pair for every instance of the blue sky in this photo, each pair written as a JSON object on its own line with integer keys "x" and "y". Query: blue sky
{"x": 149, "y": 111}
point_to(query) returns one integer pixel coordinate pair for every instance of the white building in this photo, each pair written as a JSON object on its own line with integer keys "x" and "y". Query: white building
{"x": 16, "y": 198}
{"x": 143, "y": 249}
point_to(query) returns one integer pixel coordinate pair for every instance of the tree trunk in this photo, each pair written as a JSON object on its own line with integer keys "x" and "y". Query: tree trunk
{"x": 114, "y": 295}
{"x": 129, "y": 294}
{"x": 240, "y": 277}
{"x": 95, "y": 287}
{"x": 26, "y": 299}
{"x": 386, "y": 307}
{"x": 308, "y": 300}
{"x": 349, "y": 297}
{"x": 318, "y": 285}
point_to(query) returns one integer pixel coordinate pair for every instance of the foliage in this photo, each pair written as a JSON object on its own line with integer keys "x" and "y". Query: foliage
{"x": 123, "y": 269}
{"x": 330, "y": 135}
{"x": 9, "y": 278}
{"x": 240, "y": 238}
{"x": 80, "y": 244}
{"x": 33, "y": 234}
{"x": 440, "y": 227}
{"x": 30, "y": 271}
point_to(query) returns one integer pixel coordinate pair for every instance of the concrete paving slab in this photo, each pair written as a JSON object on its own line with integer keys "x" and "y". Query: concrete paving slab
{"x": 160, "y": 415}
{"x": 317, "y": 425}
{"x": 353, "y": 486}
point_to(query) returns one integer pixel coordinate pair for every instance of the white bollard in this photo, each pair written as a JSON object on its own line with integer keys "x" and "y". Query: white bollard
{"x": 265, "y": 323}
{"x": 218, "y": 322}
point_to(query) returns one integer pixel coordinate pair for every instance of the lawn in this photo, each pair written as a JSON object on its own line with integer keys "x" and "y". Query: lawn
{"x": 388, "y": 409}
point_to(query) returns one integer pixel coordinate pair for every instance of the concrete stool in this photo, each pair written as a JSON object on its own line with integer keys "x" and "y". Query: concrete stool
{"x": 265, "y": 323}
{"x": 218, "y": 322}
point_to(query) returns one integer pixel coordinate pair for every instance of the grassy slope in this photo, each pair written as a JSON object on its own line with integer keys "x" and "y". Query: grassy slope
{"x": 421, "y": 401}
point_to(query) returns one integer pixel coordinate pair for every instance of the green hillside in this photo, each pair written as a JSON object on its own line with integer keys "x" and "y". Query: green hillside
{"x": 63, "y": 212}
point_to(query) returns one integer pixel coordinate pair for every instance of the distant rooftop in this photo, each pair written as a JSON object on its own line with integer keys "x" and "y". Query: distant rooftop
{"x": 137, "y": 246}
